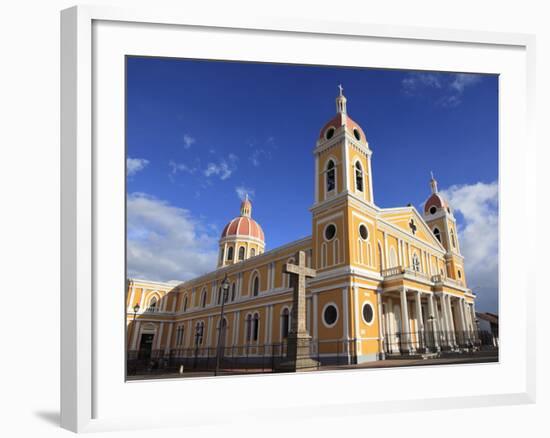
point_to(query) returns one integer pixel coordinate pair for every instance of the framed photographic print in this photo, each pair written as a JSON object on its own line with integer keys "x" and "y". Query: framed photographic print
{"x": 248, "y": 207}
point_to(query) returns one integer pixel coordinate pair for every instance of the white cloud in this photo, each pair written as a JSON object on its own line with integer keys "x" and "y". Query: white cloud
{"x": 242, "y": 191}
{"x": 415, "y": 81}
{"x": 463, "y": 80}
{"x": 166, "y": 242}
{"x": 223, "y": 168}
{"x": 134, "y": 165}
{"x": 188, "y": 141}
{"x": 181, "y": 167}
{"x": 478, "y": 237}
{"x": 449, "y": 89}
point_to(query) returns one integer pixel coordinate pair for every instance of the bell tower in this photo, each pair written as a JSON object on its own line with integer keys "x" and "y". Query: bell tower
{"x": 343, "y": 181}
{"x": 439, "y": 216}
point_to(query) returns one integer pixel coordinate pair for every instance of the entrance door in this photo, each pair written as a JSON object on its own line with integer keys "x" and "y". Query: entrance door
{"x": 146, "y": 346}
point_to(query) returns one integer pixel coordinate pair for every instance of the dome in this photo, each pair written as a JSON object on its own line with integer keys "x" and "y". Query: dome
{"x": 343, "y": 120}
{"x": 435, "y": 200}
{"x": 244, "y": 225}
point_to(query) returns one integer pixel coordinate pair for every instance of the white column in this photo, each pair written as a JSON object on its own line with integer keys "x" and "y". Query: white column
{"x": 371, "y": 192}
{"x": 315, "y": 316}
{"x": 450, "y": 319}
{"x": 444, "y": 319}
{"x": 381, "y": 354}
{"x": 210, "y": 330}
{"x": 168, "y": 339}
{"x": 267, "y": 324}
{"x": 135, "y": 335}
{"x": 345, "y": 331}
{"x": 356, "y": 314}
{"x": 159, "y": 337}
{"x": 405, "y": 323}
{"x": 236, "y": 328}
{"x": 419, "y": 322}
{"x": 432, "y": 317}
{"x": 390, "y": 318}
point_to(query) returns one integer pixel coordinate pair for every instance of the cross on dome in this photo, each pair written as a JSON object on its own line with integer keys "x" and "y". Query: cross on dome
{"x": 433, "y": 183}
{"x": 341, "y": 89}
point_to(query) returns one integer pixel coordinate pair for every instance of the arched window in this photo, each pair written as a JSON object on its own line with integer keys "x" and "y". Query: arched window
{"x": 241, "y": 253}
{"x": 256, "y": 286}
{"x": 203, "y": 298}
{"x": 255, "y": 327}
{"x": 152, "y": 305}
{"x": 230, "y": 253}
{"x": 222, "y": 253}
{"x": 252, "y": 252}
{"x": 199, "y": 332}
{"x": 437, "y": 234}
{"x": 285, "y": 323}
{"x": 219, "y": 295}
{"x": 248, "y": 327}
{"x": 179, "y": 335}
{"x": 185, "y": 304}
{"x": 330, "y": 176}
{"x": 358, "y": 177}
{"x": 233, "y": 289}
{"x": 416, "y": 263}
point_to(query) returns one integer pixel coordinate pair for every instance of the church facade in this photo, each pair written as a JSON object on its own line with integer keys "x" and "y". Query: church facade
{"x": 389, "y": 281}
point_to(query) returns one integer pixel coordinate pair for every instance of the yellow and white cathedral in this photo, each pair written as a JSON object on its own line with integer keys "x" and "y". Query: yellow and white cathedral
{"x": 390, "y": 281}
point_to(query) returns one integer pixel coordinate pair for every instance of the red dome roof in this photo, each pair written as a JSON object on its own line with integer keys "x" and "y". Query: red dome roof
{"x": 336, "y": 122}
{"x": 435, "y": 200}
{"x": 243, "y": 226}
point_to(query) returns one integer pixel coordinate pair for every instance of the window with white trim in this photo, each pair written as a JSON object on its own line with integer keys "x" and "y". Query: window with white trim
{"x": 359, "y": 186}
{"x": 330, "y": 176}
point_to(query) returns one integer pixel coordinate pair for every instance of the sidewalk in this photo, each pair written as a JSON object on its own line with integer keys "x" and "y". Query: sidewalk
{"x": 478, "y": 357}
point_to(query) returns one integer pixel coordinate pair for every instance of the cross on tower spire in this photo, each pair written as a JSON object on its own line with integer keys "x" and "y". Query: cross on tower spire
{"x": 341, "y": 101}
{"x": 433, "y": 183}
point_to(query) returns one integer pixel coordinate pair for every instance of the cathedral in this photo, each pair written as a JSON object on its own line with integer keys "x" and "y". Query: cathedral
{"x": 389, "y": 282}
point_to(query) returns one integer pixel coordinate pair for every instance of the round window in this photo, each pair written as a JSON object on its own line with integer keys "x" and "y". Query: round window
{"x": 368, "y": 313}
{"x": 330, "y": 133}
{"x": 356, "y": 134}
{"x": 330, "y": 315}
{"x": 330, "y": 231}
{"x": 433, "y": 210}
{"x": 364, "y": 232}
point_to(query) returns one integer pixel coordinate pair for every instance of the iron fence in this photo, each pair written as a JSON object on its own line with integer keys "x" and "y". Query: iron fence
{"x": 268, "y": 358}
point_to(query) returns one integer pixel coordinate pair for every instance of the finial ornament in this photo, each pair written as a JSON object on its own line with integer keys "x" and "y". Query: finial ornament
{"x": 341, "y": 89}
{"x": 433, "y": 183}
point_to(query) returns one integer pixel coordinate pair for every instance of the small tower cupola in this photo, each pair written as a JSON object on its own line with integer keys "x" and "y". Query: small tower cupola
{"x": 246, "y": 207}
{"x": 341, "y": 101}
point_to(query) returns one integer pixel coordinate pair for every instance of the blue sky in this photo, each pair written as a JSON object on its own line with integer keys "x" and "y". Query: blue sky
{"x": 201, "y": 133}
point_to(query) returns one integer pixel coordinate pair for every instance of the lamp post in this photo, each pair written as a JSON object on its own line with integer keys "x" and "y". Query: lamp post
{"x": 225, "y": 289}
{"x": 431, "y": 320}
{"x": 136, "y": 310}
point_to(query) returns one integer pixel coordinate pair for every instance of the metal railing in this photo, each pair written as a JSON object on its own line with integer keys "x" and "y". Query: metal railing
{"x": 268, "y": 358}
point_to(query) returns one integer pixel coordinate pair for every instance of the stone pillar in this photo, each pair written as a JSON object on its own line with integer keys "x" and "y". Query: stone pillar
{"x": 168, "y": 340}
{"x": 446, "y": 329}
{"x": 450, "y": 321}
{"x": 419, "y": 322}
{"x": 135, "y": 335}
{"x": 432, "y": 317}
{"x": 405, "y": 323}
{"x": 381, "y": 354}
{"x": 390, "y": 335}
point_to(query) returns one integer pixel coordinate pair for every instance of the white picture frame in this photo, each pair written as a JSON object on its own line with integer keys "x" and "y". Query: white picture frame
{"x": 93, "y": 396}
